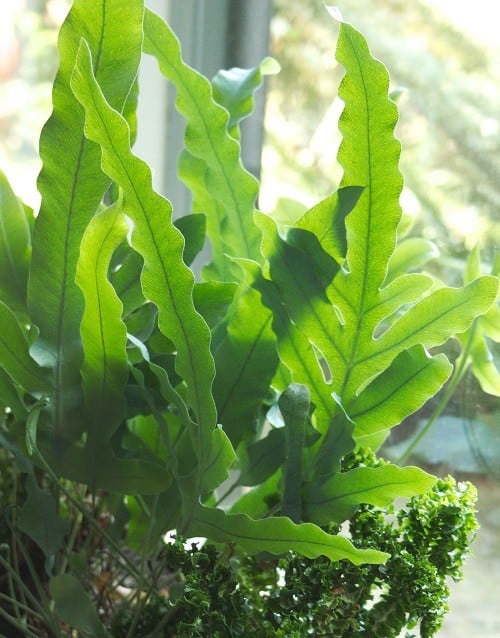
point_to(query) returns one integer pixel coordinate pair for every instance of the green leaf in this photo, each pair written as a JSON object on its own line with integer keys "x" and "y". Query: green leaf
{"x": 246, "y": 362}
{"x": 103, "y": 333}
{"x": 10, "y": 397}
{"x": 15, "y": 248}
{"x": 72, "y": 185}
{"x": 258, "y": 501}
{"x": 126, "y": 279}
{"x": 15, "y": 358}
{"x": 337, "y": 499}
{"x": 412, "y": 378}
{"x": 411, "y": 254}
{"x": 112, "y": 474}
{"x": 475, "y": 340}
{"x": 327, "y": 221}
{"x": 213, "y": 299}
{"x": 166, "y": 280}
{"x": 222, "y": 456}
{"x": 260, "y": 460}
{"x": 211, "y": 167}
{"x": 193, "y": 228}
{"x": 277, "y": 535}
{"x": 75, "y": 607}
{"x": 234, "y": 90}
{"x": 295, "y": 405}
{"x": 38, "y": 519}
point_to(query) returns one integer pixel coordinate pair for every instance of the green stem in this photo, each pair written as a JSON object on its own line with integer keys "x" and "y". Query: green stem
{"x": 20, "y": 584}
{"x": 71, "y": 542}
{"x": 91, "y": 520}
{"x": 21, "y": 627}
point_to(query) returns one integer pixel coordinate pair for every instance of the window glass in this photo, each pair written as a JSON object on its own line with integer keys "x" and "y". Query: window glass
{"x": 28, "y": 63}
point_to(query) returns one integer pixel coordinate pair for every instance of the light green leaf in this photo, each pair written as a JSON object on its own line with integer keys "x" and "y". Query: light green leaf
{"x": 72, "y": 185}
{"x": 15, "y": 248}
{"x": 211, "y": 167}
{"x": 475, "y": 340}
{"x": 126, "y": 279}
{"x": 234, "y": 90}
{"x": 15, "y": 358}
{"x": 166, "y": 280}
{"x": 412, "y": 378}
{"x": 337, "y": 499}
{"x": 430, "y": 322}
{"x": 411, "y": 254}
{"x": 75, "y": 607}
{"x": 103, "y": 332}
{"x": 277, "y": 535}
{"x": 212, "y": 299}
{"x": 327, "y": 220}
{"x": 258, "y": 501}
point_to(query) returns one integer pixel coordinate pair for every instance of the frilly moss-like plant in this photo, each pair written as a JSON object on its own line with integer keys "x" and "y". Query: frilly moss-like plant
{"x": 221, "y": 594}
{"x": 122, "y": 371}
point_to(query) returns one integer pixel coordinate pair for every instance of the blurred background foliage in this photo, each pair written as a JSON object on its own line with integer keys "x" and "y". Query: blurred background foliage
{"x": 444, "y": 60}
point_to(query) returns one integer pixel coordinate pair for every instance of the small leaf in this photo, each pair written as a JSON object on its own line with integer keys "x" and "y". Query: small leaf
{"x": 75, "y": 607}
{"x": 15, "y": 358}
{"x": 411, "y": 254}
{"x": 327, "y": 221}
{"x": 234, "y": 89}
{"x": 39, "y": 520}
{"x": 193, "y": 228}
{"x": 337, "y": 499}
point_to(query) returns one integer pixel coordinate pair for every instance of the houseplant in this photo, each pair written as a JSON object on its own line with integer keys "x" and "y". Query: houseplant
{"x": 133, "y": 392}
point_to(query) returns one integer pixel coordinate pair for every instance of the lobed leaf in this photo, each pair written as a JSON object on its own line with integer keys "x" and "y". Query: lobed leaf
{"x": 211, "y": 167}
{"x": 337, "y": 499}
{"x": 277, "y": 535}
{"x": 166, "y": 280}
{"x": 72, "y": 185}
